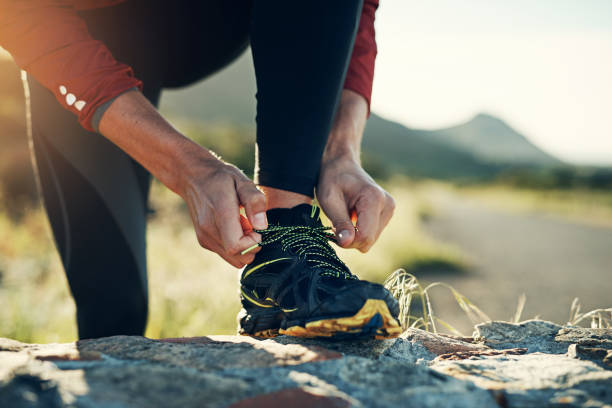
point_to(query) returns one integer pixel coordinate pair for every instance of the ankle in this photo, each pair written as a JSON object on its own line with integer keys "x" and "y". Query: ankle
{"x": 277, "y": 198}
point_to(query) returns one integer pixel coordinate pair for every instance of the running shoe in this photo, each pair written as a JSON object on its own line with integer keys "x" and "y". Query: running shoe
{"x": 298, "y": 286}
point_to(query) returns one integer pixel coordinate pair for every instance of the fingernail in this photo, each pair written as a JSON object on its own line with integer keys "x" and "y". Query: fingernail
{"x": 344, "y": 234}
{"x": 260, "y": 221}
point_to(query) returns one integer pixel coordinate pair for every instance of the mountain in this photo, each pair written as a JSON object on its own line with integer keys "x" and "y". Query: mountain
{"x": 416, "y": 153}
{"x": 492, "y": 140}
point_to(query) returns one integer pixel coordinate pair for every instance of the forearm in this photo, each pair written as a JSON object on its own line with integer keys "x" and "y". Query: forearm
{"x": 347, "y": 130}
{"x": 135, "y": 126}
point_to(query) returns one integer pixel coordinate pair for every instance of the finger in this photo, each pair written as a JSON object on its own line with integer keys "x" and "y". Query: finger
{"x": 387, "y": 212}
{"x": 383, "y": 220}
{"x": 217, "y": 248}
{"x": 254, "y": 248}
{"x": 338, "y": 213}
{"x": 245, "y": 224}
{"x": 238, "y": 260}
{"x": 227, "y": 220}
{"x": 213, "y": 243}
{"x": 254, "y": 203}
{"x": 247, "y": 228}
{"x": 247, "y": 256}
{"x": 368, "y": 210}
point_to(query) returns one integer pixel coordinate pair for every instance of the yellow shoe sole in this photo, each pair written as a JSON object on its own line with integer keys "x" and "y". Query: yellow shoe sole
{"x": 356, "y": 325}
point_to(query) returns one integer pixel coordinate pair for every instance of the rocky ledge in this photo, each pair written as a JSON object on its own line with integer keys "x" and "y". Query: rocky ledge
{"x": 531, "y": 364}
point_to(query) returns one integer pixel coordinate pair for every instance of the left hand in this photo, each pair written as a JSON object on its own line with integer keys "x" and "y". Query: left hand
{"x": 345, "y": 190}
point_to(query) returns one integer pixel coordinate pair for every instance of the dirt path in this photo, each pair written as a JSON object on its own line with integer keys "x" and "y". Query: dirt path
{"x": 550, "y": 260}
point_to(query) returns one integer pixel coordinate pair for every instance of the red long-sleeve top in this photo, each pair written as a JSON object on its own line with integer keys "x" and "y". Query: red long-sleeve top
{"x": 50, "y": 41}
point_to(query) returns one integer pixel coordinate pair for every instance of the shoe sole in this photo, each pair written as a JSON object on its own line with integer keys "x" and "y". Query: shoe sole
{"x": 263, "y": 334}
{"x": 372, "y": 320}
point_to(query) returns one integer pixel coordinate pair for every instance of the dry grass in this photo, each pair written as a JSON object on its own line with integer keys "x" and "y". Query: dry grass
{"x": 599, "y": 318}
{"x": 409, "y": 291}
{"x": 416, "y": 310}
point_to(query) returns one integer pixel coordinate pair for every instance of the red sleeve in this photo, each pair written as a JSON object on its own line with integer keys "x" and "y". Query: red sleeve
{"x": 49, "y": 41}
{"x": 361, "y": 67}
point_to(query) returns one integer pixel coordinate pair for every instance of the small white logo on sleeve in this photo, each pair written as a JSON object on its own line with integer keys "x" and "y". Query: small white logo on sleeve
{"x": 70, "y": 99}
{"x": 79, "y": 105}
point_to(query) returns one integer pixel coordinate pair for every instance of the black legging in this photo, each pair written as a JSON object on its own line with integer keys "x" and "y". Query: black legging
{"x": 96, "y": 196}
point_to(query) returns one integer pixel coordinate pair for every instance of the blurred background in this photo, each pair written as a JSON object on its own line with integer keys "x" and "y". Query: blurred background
{"x": 491, "y": 125}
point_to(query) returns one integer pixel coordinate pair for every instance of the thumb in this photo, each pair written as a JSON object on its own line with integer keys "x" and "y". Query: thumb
{"x": 338, "y": 213}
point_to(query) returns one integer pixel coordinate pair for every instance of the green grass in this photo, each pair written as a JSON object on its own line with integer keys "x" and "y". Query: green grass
{"x": 34, "y": 301}
{"x": 192, "y": 291}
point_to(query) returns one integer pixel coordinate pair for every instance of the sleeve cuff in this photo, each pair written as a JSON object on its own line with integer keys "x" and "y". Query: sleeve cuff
{"x": 100, "y": 110}
{"x": 366, "y": 95}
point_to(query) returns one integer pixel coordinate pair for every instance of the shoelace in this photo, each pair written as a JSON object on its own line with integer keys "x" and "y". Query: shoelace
{"x": 310, "y": 242}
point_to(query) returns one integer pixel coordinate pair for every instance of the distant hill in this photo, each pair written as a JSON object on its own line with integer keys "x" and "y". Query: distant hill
{"x": 492, "y": 140}
{"x": 416, "y": 153}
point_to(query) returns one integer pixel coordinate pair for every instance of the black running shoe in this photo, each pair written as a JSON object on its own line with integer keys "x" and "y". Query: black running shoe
{"x": 298, "y": 286}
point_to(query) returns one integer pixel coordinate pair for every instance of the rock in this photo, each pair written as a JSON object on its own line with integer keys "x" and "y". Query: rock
{"x": 221, "y": 370}
{"x": 462, "y": 355}
{"x": 535, "y": 379}
{"x": 540, "y": 336}
{"x": 598, "y": 355}
{"x": 534, "y": 335}
{"x": 413, "y": 346}
{"x": 438, "y": 344}
{"x": 294, "y": 397}
{"x": 208, "y": 353}
{"x": 585, "y": 337}
{"x": 417, "y": 369}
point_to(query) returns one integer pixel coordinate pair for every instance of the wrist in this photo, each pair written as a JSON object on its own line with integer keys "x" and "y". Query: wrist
{"x": 136, "y": 127}
{"x": 347, "y": 130}
{"x": 191, "y": 162}
{"x": 340, "y": 147}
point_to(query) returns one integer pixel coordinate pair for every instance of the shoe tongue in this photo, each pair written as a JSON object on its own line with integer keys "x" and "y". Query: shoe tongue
{"x": 298, "y": 215}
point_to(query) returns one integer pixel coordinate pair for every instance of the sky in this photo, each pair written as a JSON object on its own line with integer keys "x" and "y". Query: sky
{"x": 543, "y": 66}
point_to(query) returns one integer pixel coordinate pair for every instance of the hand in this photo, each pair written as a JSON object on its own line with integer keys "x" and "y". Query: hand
{"x": 214, "y": 192}
{"x": 345, "y": 189}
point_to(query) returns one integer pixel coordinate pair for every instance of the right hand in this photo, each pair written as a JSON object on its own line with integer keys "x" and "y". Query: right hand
{"x": 214, "y": 192}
